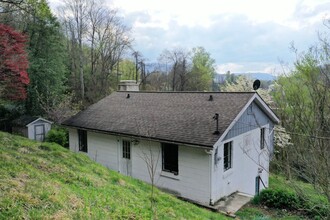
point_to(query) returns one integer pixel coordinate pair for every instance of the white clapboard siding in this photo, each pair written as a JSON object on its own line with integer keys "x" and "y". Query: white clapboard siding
{"x": 103, "y": 149}
{"x": 31, "y": 128}
{"x": 193, "y": 180}
{"x": 195, "y": 166}
{"x": 73, "y": 140}
{"x": 247, "y": 159}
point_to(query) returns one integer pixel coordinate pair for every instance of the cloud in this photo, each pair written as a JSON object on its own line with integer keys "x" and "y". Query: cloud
{"x": 240, "y": 35}
{"x": 230, "y": 39}
{"x": 253, "y": 67}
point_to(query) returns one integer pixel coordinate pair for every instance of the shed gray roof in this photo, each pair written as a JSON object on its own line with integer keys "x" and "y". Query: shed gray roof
{"x": 25, "y": 120}
{"x": 181, "y": 117}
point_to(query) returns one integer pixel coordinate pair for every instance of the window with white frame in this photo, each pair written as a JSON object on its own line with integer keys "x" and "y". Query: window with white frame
{"x": 170, "y": 158}
{"x": 227, "y": 156}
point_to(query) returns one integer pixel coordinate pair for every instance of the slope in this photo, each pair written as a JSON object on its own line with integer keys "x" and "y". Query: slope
{"x": 47, "y": 181}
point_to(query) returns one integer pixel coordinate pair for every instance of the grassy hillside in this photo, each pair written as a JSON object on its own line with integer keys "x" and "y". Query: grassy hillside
{"x": 46, "y": 181}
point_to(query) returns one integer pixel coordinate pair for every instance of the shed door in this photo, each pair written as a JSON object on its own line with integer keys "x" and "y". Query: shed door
{"x": 39, "y": 132}
{"x": 126, "y": 163}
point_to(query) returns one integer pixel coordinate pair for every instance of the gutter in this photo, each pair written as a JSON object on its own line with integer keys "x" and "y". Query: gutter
{"x": 207, "y": 147}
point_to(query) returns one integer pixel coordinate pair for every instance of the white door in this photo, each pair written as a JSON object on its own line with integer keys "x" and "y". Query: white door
{"x": 125, "y": 160}
{"x": 39, "y": 132}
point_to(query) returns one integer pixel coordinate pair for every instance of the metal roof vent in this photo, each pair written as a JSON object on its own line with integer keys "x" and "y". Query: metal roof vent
{"x": 128, "y": 96}
{"x": 211, "y": 98}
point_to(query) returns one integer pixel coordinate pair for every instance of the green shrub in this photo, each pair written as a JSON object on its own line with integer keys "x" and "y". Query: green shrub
{"x": 283, "y": 199}
{"x": 59, "y": 136}
{"x": 280, "y": 199}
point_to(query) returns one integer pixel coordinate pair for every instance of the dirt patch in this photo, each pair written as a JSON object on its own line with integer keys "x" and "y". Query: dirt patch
{"x": 121, "y": 182}
{"x": 59, "y": 215}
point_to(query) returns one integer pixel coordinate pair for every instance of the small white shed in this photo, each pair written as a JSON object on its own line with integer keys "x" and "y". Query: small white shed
{"x": 32, "y": 127}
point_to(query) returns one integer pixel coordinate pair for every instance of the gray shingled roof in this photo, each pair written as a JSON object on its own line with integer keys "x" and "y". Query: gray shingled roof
{"x": 181, "y": 117}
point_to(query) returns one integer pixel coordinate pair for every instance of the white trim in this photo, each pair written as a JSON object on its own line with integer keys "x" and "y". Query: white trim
{"x": 261, "y": 104}
{"x": 266, "y": 108}
{"x": 169, "y": 175}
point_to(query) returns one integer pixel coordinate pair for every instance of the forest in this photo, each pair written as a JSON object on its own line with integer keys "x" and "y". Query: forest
{"x": 54, "y": 66}
{"x": 80, "y": 56}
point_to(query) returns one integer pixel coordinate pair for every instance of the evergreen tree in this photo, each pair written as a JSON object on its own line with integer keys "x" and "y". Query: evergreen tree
{"x": 47, "y": 58}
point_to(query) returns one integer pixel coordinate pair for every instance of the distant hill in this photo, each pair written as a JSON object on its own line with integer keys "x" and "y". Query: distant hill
{"x": 260, "y": 76}
{"x": 150, "y": 67}
{"x": 220, "y": 78}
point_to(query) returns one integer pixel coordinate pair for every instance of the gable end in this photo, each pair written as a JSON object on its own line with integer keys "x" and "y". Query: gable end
{"x": 253, "y": 117}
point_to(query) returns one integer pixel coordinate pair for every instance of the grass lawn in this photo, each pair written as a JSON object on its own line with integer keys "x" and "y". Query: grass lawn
{"x": 47, "y": 181}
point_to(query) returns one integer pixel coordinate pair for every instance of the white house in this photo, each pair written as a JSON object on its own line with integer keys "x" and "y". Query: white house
{"x": 204, "y": 145}
{"x": 34, "y": 128}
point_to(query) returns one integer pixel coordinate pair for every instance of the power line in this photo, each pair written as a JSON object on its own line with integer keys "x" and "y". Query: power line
{"x": 303, "y": 135}
{"x": 284, "y": 132}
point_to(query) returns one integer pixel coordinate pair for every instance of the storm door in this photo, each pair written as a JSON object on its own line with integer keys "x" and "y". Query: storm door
{"x": 126, "y": 162}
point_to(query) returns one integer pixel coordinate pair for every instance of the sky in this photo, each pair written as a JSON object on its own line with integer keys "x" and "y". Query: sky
{"x": 241, "y": 35}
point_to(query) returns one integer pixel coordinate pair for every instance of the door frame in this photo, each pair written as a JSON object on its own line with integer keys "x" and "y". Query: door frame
{"x": 43, "y": 132}
{"x": 125, "y": 164}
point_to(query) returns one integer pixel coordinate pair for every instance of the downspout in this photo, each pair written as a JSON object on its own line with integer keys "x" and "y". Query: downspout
{"x": 118, "y": 153}
{"x": 211, "y": 168}
{"x": 210, "y": 153}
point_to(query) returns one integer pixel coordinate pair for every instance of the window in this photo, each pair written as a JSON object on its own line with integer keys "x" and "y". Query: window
{"x": 82, "y": 137}
{"x": 126, "y": 149}
{"x": 227, "y": 156}
{"x": 262, "y": 138}
{"x": 170, "y": 158}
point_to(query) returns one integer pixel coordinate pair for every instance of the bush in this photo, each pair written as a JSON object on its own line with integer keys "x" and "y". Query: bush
{"x": 280, "y": 199}
{"x": 283, "y": 199}
{"x": 59, "y": 136}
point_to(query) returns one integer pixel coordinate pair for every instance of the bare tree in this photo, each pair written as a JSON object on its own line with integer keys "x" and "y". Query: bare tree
{"x": 74, "y": 15}
{"x": 91, "y": 26}
{"x": 150, "y": 155}
{"x": 179, "y": 60}
{"x": 14, "y": 2}
{"x": 109, "y": 39}
{"x": 11, "y": 5}
{"x": 156, "y": 81}
{"x": 63, "y": 110}
{"x": 151, "y": 159}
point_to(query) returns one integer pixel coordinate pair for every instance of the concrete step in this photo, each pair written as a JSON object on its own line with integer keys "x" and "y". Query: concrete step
{"x": 231, "y": 204}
